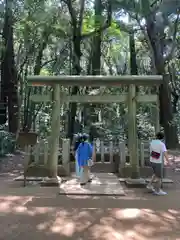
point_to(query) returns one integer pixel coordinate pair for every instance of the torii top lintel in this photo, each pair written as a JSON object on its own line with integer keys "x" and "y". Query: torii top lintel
{"x": 101, "y": 80}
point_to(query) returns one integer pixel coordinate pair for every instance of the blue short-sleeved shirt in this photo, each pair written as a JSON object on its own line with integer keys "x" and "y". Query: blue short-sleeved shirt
{"x": 84, "y": 153}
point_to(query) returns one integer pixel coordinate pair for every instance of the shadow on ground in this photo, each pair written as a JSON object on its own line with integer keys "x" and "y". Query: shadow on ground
{"x": 63, "y": 218}
{"x": 41, "y": 214}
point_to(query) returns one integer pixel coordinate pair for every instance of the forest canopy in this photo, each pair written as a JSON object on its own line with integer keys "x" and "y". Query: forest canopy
{"x": 89, "y": 37}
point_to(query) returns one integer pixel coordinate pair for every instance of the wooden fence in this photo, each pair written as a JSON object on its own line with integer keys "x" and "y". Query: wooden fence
{"x": 105, "y": 153}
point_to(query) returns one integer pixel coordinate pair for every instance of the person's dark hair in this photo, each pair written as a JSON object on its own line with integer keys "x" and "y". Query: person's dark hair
{"x": 159, "y": 135}
{"x": 78, "y": 140}
{"x": 84, "y": 138}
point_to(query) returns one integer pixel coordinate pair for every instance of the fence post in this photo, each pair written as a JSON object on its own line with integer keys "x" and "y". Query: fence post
{"x": 122, "y": 154}
{"x": 138, "y": 149}
{"x": 36, "y": 153}
{"x": 102, "y": 152}
{"x": 111, "y": 152}
{"x": 27, "y": 161}
{"x": 27, "y": 154}
{"x": 46, "y": 153}
{"x": 66, "y": 155}
{"x": 142, "y": 154}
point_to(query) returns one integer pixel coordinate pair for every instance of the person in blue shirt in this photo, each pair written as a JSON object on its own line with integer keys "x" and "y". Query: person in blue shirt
{"x": 84, "y": 154}
{"x": 77, "y": 141}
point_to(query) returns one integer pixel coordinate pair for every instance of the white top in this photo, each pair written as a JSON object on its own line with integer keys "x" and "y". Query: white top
{"x": 158, "y": 148}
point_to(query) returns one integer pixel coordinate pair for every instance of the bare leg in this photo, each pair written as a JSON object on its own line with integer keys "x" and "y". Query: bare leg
{"x": 78, "y": 169}
{"x": 152, "y": 180}
{"x": 89, "y": 175}
{"x": 158, "y": 190}
{"x": 84, "y": 175}
{"x": 158, "y": 185}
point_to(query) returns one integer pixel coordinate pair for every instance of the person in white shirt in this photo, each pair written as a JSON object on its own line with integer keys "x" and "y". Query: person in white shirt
{"x": 157, "y": 153}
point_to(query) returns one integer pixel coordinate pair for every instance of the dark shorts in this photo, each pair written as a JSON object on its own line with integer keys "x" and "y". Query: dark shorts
{"x": 157, "y": 169}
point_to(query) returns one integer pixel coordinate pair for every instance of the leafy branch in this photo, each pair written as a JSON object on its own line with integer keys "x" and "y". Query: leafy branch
{"x": 104, "y": 26}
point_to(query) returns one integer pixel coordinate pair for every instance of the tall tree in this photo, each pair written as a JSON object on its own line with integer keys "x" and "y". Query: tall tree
{"x": 77, "y": 38}
{"x": 97, "y": 38}
{"x": 156, "y": 23}
{"x": 158, "y": 18}
{"x": 8, "y": 70}
{"x": 76, "y": 24}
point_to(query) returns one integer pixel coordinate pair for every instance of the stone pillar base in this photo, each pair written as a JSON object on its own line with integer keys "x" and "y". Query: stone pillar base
{"x": 135, "y": 183}
{"x": 51, "y": 182}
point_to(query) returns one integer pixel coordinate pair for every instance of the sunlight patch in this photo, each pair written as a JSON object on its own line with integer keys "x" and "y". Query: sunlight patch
{"x": 129, "y": 213}
{"x": 63, "y": 227}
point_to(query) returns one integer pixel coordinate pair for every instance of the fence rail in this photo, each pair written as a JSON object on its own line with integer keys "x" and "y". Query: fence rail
{"x": 41, "y": 152}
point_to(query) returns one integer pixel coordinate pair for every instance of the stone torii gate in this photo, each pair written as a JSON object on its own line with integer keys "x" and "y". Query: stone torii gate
{"x": 131, "y": 98}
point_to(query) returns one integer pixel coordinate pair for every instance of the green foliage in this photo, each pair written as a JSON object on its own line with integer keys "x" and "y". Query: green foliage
{"x": 47, "y": 24}
{"x": 88, "y": 23}
{"x": 114, "y": 30}
{"x": 7, "y": 143}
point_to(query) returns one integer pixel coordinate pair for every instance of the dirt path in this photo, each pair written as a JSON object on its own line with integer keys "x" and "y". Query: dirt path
{"x": 40, "y": 213}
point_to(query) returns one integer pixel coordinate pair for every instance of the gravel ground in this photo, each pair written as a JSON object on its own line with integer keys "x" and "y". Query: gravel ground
{"x": 40, "y": 213}
{"x": 12, "y": 163}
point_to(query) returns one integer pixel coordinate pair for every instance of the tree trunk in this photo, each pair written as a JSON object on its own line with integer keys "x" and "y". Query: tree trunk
{"x": 76, "y": 70}
{"x": 166, "y": 114}
{"x": 76, "y": 57}
{"x": 9, "y": 74}
{"x": 3, "y": 96}
{"x": 30, "y": 112}
{"x": 96, "y": 50}
{"x": 96, "y": 44}
{"x": 133, "y": 145}
{"x": 85, "y": 108}
{"x": 77, "y": 37}
{"x": 166, "y": 111}
{"x": 133, "y": 62}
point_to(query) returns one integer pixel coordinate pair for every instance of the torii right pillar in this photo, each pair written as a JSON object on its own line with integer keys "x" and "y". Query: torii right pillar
{"x": 157, "y": 124}
{"x": 134, "y": 179}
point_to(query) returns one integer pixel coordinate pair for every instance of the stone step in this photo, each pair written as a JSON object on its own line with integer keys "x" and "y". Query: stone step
{"x": 29, "y": 179}
{"x": 92, "y": 190}
{"x": 164, "y": 180}
{"x": 103, "y": 184}
{"x": 135, "y": 183}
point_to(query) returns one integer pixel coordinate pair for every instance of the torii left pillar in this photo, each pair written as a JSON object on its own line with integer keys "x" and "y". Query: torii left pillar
{"x": 52, "y": 163}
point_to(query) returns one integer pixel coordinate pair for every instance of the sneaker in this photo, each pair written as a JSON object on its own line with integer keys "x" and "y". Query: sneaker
{"x": 150, "y": 187}
{"x": 160, "y": 193}
{"x": 82, "y": 184}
